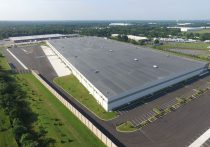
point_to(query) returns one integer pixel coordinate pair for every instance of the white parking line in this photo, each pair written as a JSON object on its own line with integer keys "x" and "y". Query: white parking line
{"x": 148, "y": 116}
{"x": 168, "y": 103}
{"x": 144, "y": 116}
{"x": 18, "y": 60}
{"x": 138, "y": 122}
{"x": 140, "y": 119}
{"x": 135, "y": 123}
{"x": 201, "y": 140}
{"x": 151, "y": 113}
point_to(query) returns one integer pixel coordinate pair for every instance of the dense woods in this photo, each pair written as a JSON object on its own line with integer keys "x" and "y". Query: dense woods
{"x": 95, "y": 28}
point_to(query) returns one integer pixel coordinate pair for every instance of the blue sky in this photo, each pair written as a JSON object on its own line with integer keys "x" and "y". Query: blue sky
{"x": 104, "y": 9}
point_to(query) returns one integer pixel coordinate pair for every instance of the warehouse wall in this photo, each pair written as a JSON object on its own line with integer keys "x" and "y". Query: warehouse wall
{"x": 126, "y": 98}
{"x": 100, "y": 98}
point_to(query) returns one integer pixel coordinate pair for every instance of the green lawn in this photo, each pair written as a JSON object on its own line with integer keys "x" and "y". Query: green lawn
{"x": 202, "y": 31}
{"x": 3, "y": 62}
{"x": 202, "y": 47}
{"x": 79, "y": 92}
{"x": 57, "y": 120}
{"x": 197, "y": 46}
{"x": 7, "y": 138}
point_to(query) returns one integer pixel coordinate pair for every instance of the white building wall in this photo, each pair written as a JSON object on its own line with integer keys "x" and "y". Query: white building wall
{"x": 138, "y": 95}
{"x": 137, "y": 38}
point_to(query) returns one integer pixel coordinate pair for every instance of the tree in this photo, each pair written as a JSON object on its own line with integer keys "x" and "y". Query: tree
{"x": 205, "y": 36}
{"x": 19, "y": 130}
{"x": 156, "y": 41}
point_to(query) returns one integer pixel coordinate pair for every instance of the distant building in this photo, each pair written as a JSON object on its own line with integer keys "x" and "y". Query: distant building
{"x": 207, "y": 41}
{"x": 137, "y": 38}
{"x": 132, "y": 37}
{"x": 183, "y": 24}
{"x": 36, "y": 38}
{"x": 115, "y": 35}
{"x": 175, "y": 40}
{"x": 120, "y": 24}
{"x": 186, "y": 29}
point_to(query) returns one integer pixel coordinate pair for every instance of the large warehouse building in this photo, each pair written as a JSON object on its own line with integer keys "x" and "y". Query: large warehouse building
{"x": 36, "y": 38}
{"x": 117, "y": 73}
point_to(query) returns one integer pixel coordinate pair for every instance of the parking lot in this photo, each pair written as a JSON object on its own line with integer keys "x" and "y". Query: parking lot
{"x": 143, "y": 110}
{"x": 177, "y": 129}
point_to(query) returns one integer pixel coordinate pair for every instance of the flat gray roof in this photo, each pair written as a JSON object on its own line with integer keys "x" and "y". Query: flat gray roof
{"x": 120, "y": 66}
{"x": 36, "y": 37}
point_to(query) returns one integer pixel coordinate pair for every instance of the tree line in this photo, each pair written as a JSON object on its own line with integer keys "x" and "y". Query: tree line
{"x": 97, "y": 28}
{"x": 13, "y": 101}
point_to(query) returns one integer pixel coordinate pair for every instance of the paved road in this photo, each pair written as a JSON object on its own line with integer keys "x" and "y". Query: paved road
{"x": 179, "y": 128}
{"x": 34, "y": 58}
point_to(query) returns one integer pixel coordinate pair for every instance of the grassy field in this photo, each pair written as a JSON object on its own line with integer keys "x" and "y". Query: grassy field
{"x": 57, "y": 120}
{"x": 178, "y": 49}
{"x": 202, "y": 31}
{"x": 79, "y": 92}
{"x": 191, "y": 46}
{"x": 3, "y": 62}
{"x": 7, "y": 138}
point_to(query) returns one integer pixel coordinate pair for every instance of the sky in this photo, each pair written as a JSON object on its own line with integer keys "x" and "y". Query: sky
{"x": 104, "y": 9}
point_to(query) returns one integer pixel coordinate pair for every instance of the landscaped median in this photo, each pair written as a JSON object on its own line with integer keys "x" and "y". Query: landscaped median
{"x": 74, "y": 88}
{"x": 126, "y": 127}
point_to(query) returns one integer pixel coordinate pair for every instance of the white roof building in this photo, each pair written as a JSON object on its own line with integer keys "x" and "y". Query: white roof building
{"x": 137, "y": 38}
{"x": 115, "y": 35}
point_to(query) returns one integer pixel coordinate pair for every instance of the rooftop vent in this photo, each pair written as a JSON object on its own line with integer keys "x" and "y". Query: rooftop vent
{"x": 155, "y": 66}
{"x": 135, "y": 59}
{"x": 110, "y": 50}
{"x": 97, "y": 71}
